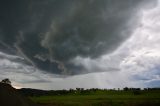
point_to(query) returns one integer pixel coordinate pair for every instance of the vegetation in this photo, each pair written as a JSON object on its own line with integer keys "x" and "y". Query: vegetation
{"x": 99, "y": 97}
{"x": 6, "y": 81}
{"x": 10, "y": 97}
{"x": 79, "y": 96}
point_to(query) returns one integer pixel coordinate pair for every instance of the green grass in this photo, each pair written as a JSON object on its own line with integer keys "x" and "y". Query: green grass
{"x": 101, "y": 98}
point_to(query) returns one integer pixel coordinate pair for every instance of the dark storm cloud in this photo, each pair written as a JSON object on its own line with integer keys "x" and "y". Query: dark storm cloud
{"x": 50, "y": 33}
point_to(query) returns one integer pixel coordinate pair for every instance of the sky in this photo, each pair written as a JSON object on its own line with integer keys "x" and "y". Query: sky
{"x": 63, "y": 44}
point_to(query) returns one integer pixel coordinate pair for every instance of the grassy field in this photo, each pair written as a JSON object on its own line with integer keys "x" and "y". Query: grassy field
{"x": 102, "y": 98}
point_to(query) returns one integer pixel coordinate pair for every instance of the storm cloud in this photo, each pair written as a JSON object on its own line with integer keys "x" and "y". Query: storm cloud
{"x": 49, "y": 34}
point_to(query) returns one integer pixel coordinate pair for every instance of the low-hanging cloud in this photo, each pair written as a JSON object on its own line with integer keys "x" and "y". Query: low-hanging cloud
{"x": 51, "y": 33}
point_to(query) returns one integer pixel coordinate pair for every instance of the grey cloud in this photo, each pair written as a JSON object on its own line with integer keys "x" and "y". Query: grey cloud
{"x": 20, "y": 72}
{"x": 153, "y": 83}
{"x": 50, "y": 33}
{"x": 89, "y": 29}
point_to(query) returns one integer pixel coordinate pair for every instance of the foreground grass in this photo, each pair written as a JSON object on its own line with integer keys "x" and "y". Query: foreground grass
{"x": 109, "y": 98}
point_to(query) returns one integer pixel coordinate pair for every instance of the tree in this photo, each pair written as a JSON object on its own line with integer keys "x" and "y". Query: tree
{"x": 6, "y": 81}
{"x": 126, "y": 89}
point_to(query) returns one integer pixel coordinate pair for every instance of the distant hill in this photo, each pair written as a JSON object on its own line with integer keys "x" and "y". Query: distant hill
{"x": 32, "y": 92}
{"x": 10, "y": 97}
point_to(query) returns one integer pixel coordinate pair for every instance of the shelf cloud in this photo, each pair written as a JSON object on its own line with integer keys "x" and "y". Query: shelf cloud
{"x": 71, "y": 43}
{"x": 50, "y": 34}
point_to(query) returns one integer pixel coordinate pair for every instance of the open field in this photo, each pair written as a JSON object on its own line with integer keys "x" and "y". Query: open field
{"x": 102, "y": 98}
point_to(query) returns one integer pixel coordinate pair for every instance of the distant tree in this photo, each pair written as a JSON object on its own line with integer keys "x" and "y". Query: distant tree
{"x": 126, "y": 89}
{"x": 6, "y": 81}
{"x": 78, "y": 89}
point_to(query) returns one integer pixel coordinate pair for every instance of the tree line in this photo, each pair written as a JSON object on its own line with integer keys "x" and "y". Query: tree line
{"x": 77, "y": 91}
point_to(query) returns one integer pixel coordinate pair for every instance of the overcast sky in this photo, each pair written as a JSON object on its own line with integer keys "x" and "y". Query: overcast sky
{"x": 62, "y": 44}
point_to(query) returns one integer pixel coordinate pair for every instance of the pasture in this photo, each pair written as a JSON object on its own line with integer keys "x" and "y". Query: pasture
{"x": 101, "y": 98}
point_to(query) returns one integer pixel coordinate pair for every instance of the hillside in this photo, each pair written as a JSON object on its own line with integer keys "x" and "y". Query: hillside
{"x": 10, "y": 97}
